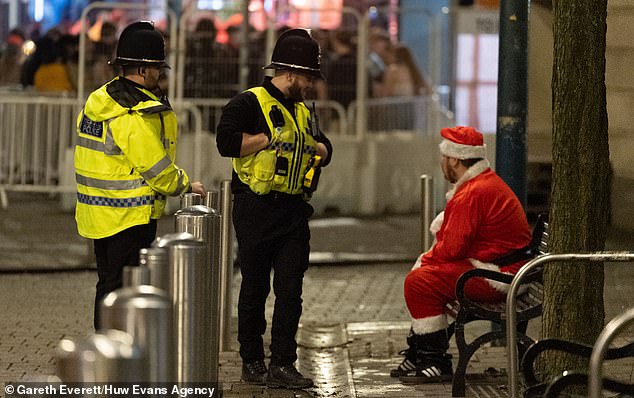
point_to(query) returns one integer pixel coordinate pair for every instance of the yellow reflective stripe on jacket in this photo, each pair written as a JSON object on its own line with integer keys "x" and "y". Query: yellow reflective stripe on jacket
{"x": 125, "y": 146}
{"x": 292, "y": 141}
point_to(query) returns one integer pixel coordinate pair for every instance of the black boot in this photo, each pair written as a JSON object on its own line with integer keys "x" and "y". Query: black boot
{"x": 432, "y": 363}
{"x": 408, "y": 366}
{"x": 286, "y": 376}
{"x": 254, "y": 372}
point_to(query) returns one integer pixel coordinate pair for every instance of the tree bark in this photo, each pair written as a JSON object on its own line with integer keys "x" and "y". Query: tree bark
{"x": 579, "y": 212}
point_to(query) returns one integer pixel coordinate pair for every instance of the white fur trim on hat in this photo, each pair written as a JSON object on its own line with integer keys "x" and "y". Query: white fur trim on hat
{"x": 461, "y": 151}
{"x": 430, "y": 324}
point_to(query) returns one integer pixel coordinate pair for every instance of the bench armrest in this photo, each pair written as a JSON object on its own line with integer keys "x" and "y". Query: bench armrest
{"x": 490, "y": 274}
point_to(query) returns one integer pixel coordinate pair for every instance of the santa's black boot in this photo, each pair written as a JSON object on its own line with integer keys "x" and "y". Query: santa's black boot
{"x": 408, "y": 366}
{"x": 432, "y": 363}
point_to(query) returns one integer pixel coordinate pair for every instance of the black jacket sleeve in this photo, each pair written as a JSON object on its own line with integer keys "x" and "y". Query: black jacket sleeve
{"x": 239, "y": 116}
{"x": 324, "y": 140}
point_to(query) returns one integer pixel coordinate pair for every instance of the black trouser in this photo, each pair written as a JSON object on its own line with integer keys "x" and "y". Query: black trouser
{"x": 272, "y": 232}
{"x": 115, "y": 252}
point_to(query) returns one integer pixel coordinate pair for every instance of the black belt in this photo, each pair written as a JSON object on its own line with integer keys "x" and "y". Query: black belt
{"x": 273, "y": 195}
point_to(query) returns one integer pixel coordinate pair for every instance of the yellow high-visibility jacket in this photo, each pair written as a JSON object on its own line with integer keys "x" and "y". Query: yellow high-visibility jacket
{"x": 292, "y": 141}
{"x": 124, "y": 159}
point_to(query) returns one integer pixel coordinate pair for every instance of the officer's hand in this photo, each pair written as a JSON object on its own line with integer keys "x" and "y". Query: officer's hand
{"x": 199, "y": 188}
{"x": 322, "y": 150}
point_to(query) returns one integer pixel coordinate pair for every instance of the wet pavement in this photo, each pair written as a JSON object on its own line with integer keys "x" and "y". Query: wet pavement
{"x": 353, "y": 325}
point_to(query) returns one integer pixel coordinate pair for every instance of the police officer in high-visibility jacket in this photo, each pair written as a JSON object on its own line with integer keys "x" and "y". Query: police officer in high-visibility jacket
{"x": 124, "y": 158}
{"x": 277, "y": 150}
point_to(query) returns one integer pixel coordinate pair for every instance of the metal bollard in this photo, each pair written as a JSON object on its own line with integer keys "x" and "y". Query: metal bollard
{"x": 144, "y": 312}
{"x": 190, "y": 291}
{"x": 212, "y": 200}
{"x": 108, "y": 356}
{"x": 155, "y": 260}
{"x": 191, "y": 199}
{"x": 204, "y": 223}
{"x": 426, "y": 210}
{"x": 135, "y": 276}
{"x": 168, "y": 240}
{"x": 226, "y": 266}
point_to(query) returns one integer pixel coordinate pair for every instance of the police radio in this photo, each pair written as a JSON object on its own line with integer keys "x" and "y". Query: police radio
{"x": 277, "y": 118}
{"x": 281, "y": 163}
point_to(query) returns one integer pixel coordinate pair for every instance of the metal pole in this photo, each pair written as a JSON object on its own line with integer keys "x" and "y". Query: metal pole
{"x": 226, "y": 266}
{"x": 205, "y": 224}
{"x": 511, "y": 302}
{"x": 510, "y": 148}
{"x": 190, "y": 285}
{"x": 136, "y": 276}
{"x": 610, "y": 331}
{"x": 146, "y": 313}
{"x": 108, "y": 356}
{"x": 426, "y": 210}
{"x": 362, "y": 77}
{"x": 243, "y": 56}
{"x": 191, "y": 199}
{"x": 212, "y": 200}
{"x": 155, "y": 259}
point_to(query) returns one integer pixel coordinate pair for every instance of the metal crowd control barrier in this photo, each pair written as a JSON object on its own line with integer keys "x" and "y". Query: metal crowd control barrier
{"x": 609, "y": 332}
{"x": 146, "y": 313}
{"x": 226, "y": 266}
{"x": 106, "y": 356}
{"x": 511, "y": 302}
{"x": 426, "y": 210}
{"x": 204, "y": 223}
{"x": 35, "y": 136}
{"x": 189, "y": 290}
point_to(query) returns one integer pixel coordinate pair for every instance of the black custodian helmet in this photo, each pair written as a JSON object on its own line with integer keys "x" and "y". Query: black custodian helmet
{"x": 295, "y": 49}
{"x": 140, "y": 44}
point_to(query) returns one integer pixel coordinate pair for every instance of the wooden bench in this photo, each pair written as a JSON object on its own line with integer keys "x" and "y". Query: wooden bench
{"x": 529, "y": 305}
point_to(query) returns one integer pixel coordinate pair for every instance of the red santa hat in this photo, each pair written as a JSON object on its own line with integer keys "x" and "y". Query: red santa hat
{"x": 462, "y": 142}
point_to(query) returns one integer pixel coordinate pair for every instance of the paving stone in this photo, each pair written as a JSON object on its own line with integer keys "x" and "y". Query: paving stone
{"x": 362, "y": 301}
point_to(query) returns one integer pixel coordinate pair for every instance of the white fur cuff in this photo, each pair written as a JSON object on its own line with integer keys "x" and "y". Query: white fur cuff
{"x": 430, "y": 324}
{"x": 499, "y": 286}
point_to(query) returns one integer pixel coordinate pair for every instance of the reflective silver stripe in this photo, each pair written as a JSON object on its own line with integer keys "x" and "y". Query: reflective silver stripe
{"x": 157, "y": 168}
{"x": 90, "y": 144}
{"x": 108, "y": 184}
{"x": 153, "y": 61}
{"x": 111, "y": 147}
{"x": 98, "y": 146}
{"x": 294, "y": 66}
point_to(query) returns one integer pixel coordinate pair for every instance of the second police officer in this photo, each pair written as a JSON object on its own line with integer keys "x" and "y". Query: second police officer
{"x": 276, "y": 147}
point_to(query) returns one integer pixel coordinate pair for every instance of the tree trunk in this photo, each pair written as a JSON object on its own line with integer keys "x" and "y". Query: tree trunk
{"x": 573, "y": 304}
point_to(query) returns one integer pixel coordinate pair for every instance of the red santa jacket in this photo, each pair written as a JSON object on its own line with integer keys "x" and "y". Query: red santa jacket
{"x": 483, "y": 220}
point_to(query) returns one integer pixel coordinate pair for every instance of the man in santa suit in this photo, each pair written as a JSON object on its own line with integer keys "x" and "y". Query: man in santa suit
{"x": 483, "y": 220}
